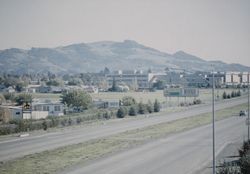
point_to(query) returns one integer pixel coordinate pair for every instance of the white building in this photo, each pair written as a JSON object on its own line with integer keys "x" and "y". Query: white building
{"x": 245, "y": 76}
{"x": 53, "y": 109}
{"x": 132, "y": 78}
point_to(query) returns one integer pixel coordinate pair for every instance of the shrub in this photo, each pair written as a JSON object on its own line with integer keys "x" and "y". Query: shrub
{"x": 132, "y": 111}
{"x": 238, "y": 93}
{"x": 149, "y": 107}
{"x": 128, "y": 101}
{"x": 45, "y": 125}
{"x": 228, "y": 96}
{"x": 121, "y": 112}
{"x": 224, "y": 95}
{"x": 233, "y": 94}
{"x": 197, "y": 102}
{"x": 106, "y": 115}
{"x": 156, "y": 106}
{"x": 141, "y": 108}
{"x": 78, "y": 120}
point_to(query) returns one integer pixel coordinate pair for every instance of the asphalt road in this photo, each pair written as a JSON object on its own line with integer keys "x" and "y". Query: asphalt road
{"x": 183, "y": 153}
{"x": 17, "y": 147}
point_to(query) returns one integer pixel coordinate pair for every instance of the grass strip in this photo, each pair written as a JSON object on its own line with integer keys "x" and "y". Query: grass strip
{"x": 58, "y": 159}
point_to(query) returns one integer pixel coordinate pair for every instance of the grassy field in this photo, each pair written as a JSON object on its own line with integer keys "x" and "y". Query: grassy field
{"x": 205, "y": 96}
{"x": 56, "y": 160}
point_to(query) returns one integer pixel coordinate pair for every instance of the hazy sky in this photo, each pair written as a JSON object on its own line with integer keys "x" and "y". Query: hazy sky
{"x": 211, "y": 29}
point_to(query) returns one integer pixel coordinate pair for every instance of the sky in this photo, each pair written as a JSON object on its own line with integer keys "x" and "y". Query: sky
{"x": 210, "y": 29}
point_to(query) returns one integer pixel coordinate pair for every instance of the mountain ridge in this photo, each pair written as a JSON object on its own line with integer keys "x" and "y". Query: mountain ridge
{"x": 93, "y": 57}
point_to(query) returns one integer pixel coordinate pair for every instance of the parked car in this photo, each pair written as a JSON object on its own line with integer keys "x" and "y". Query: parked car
{"x": 243, "y": 113}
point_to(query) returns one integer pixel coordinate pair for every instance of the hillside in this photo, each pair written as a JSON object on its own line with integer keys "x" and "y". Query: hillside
{"x": 93, "y": 57}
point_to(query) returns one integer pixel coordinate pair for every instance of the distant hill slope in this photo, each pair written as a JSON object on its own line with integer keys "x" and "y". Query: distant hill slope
{"x": 93, "y": 57}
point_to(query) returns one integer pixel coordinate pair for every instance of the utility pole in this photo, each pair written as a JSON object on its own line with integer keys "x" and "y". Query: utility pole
{"x": 213, "y": 125}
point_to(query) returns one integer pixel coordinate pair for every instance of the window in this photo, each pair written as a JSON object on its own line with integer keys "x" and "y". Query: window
{"x": 57, "y": 108}
{"x": 45, "y": 108}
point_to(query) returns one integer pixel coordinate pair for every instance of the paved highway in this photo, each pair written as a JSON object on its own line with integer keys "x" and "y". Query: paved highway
{"x": 18, "y": 147}
{"x": 186, "y": 152}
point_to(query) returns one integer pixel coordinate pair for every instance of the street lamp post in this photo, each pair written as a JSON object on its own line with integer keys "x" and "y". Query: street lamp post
{"x": 213, "y": 124}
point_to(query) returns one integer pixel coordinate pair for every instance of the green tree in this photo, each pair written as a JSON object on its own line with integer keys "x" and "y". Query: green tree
{"x": 79, "y": 99}
{"x": 128, "y": 101}
{"x": 23, "y": 98}
{"x": 156, "y": 106}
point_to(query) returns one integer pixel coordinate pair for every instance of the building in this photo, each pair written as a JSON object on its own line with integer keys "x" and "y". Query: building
{"x": 53, "y": 108}
{"x": 236, "y": 78}
{"x": 245, "y": 78}
{"x": 219, "y": 79}
{"x": 107, "y": 103}
{"x": 134, "y": 79}
{"x": 32, "y": 88}
{"x": 8, "y": 113}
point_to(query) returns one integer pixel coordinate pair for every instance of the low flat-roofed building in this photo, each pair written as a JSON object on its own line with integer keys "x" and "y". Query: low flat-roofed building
{"x": 53, "y": 108}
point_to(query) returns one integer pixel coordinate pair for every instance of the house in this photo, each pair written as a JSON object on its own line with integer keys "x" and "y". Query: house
{"x": 32, "y": 88}
{"x": 90, "y": 89}
{"x": 44, "y": 89}
{"x": 8, "y": 113}
{"x": 50, "y": 89}
{"x": 10, "y": 89}
{"x": 53, "y": 108}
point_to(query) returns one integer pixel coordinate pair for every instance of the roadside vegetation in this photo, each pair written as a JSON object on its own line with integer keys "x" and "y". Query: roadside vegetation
{"x": 81, "y": 112}
{"x": 240, "y": 166}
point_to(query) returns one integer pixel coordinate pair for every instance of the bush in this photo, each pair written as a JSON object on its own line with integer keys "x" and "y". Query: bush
{"x": 128, "y": 101}
{"x": 197, "y": 102}
{"x": 245, "y": 164}
{"x": 132, "y": 111}
{"x": 244, "y": 161}
{"x": 141, "y": 108}
{"x": 238, "y": 93}
{"x": 121, "y": 112}
{"x": 78, "y": 120}
{"x": 224, "y": 95}
{"x": 70, "y": 121}
{"x": 156, "y": 106}
{"x": 45, "y": 125}
{"x": 106, "y": 115}
{"x": 233, "y": 94}
{"x": 228, "y": 96}
{"x": 149, "y": 107}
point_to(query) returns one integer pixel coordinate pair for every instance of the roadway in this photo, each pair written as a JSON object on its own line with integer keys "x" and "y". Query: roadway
{"x": 17, "y": 147}
{"x": 187, "y": 152}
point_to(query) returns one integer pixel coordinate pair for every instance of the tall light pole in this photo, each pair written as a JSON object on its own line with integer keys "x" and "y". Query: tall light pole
{"x": 213, "y": 124}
